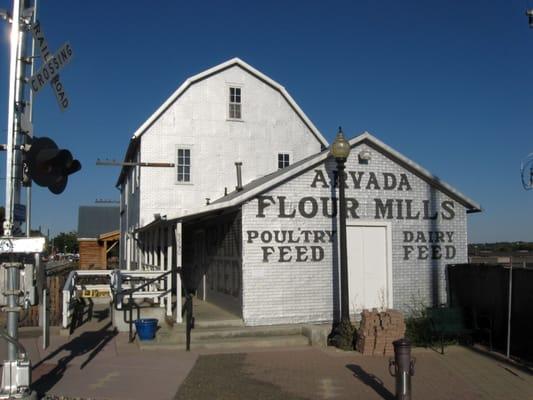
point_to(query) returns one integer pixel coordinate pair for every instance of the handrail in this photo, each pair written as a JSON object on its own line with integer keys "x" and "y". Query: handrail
{"x": 129, "y": 293}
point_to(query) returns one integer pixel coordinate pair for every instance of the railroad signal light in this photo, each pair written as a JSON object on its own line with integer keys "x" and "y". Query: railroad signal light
{"x": 49, "y": 166}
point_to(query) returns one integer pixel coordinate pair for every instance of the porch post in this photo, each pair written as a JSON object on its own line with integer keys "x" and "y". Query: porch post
{"x": 139, "y": 250}
{"x": 162, "y": 245}
{"x": 177, "y": 234}
{"x": 143, "y": 250}
{"x": 152, "y": 252}
{"x": 160, "y": 258}
{"x": 168, "y": 238}
{"x": 127, "y": 249}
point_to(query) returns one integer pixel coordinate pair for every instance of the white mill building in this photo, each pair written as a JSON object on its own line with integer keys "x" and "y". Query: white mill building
{"x": 267, "y": 250}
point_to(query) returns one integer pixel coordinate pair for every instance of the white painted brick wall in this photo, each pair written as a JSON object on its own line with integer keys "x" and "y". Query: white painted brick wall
{"x": 293, "y": 292}
{"x": 198, "y": 119}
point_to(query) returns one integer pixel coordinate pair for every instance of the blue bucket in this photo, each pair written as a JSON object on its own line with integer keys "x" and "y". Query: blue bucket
{"x": 146, "y": 328}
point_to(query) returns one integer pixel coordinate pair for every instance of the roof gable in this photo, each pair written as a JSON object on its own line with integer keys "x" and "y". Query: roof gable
{"x": 267, "y": 182}
{"x": 204, "y": 75}
{"x": 215, "y": 70}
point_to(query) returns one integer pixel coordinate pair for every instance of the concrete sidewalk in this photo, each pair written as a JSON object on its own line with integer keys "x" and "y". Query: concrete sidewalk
{"x": 309, "y": 373}
{"x": 98, "y": 363}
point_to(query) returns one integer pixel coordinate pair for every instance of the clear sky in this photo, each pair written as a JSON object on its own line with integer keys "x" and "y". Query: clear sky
{"x": 448, "y": 84}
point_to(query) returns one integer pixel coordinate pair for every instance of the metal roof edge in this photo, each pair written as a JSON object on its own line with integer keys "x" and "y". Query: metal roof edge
{"x": 410, "y": 164}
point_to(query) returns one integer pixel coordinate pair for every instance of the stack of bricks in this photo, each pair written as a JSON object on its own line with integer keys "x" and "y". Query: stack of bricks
{"x": 378, "y": 330}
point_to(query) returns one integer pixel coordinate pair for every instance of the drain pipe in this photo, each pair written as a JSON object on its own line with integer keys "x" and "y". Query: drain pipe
{"x": 238, "y": 166}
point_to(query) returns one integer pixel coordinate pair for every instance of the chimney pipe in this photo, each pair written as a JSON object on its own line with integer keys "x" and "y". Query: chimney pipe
{"x": 238, "y": 165}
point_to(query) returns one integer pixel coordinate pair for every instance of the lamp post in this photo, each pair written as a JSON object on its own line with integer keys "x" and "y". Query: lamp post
{"x": 340, "y": 149}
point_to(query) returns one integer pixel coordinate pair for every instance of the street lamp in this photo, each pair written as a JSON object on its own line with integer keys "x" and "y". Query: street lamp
{"x": 340, "y": 149}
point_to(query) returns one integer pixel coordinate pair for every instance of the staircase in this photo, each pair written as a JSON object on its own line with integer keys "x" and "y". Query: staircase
{"x": 216, "y": 328}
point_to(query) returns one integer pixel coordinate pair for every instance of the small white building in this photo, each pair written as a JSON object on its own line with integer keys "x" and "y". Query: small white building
{"x": 268, "y": 251}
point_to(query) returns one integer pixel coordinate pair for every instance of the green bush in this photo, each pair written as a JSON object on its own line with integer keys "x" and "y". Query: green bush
{"x": 418, "y": 330}
{"x": 343, "y": 336}
{"x": 418, "y": 324}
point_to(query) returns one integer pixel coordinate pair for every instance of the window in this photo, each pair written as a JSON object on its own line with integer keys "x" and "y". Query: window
{"x": 184, "y": 165}
{"x": 235, "y": 103}
{"x": 283, "y": 160}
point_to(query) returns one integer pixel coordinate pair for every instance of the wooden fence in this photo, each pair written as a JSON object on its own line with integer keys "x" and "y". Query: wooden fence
{"x": 30, "y": 317}
{"x": 484, "y": 288}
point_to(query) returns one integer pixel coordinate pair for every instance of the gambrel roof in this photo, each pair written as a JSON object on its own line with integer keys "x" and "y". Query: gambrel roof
{"x": 206, "y": 74}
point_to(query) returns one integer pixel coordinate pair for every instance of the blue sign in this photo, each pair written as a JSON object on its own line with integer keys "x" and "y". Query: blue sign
{"x": 19, "y": 212}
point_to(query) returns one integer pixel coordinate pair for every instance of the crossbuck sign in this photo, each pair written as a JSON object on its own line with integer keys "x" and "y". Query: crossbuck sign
{"x": 51, "y": 66}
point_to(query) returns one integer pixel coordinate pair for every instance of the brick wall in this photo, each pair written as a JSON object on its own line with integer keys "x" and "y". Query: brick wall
{"x": 280, "y": 291}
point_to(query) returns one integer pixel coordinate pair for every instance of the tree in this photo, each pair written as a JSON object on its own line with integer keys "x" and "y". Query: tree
{"x": 66, "y": 242}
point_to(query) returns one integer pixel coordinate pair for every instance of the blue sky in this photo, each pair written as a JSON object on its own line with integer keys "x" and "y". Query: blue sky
{"x": 446, "y": 83}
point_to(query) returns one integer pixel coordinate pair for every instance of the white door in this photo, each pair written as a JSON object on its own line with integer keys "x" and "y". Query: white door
{"x": 369, "y": 277}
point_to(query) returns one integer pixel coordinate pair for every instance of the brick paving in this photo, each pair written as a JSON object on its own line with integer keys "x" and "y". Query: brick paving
{"x": 309, "y": 373}
{"x": 97, "y": 363}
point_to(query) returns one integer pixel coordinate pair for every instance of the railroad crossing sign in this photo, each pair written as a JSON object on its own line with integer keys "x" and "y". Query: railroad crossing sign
{"x": 51, "y": 66}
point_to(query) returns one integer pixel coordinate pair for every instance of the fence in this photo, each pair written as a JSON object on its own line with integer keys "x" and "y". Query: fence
{"x": 484, "y": 290}
{"x": 30, "y": 317}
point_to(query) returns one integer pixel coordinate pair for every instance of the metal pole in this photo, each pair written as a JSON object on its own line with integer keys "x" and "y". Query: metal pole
{"x": 30, "y": 112}
{"x": 345, "y": 311}
{"x": 13, "y": 287}
{"x": 509, "y": 308}
{"x": 13, "y": 117}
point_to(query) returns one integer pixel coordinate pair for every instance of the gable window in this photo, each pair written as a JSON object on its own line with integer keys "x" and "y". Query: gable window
{"x": 235, "y": 103}
{"x": 184, "y": 165}
{"x": 283, "y": 160}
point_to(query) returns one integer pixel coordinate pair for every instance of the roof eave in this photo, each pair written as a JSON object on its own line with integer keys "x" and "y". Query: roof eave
{"x": 132, "y": 148}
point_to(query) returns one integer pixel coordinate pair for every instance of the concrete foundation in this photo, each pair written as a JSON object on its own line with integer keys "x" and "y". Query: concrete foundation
{"x": 317, "y": 334}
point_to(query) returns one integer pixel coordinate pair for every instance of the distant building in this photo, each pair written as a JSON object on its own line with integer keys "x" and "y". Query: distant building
{"x": 519, "y": 258}
{"x": 98, "y": 235}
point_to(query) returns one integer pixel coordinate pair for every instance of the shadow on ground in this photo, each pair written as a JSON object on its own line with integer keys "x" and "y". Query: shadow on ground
{"x": 372, "y": 381}
{"x": 224, "y": 377}
{"x": 91, "y": 343}
{"x": 526, "y": 368}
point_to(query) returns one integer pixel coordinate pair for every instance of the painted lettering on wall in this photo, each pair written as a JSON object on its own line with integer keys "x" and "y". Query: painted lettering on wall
{"x": 364, "y": 180}
{"x": 299, "y": 245}
{"x": 382, "y": 208}
{"x": 431, "y": 245}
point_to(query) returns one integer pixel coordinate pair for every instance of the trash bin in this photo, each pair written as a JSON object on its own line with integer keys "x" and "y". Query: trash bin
{"x": 146, "y": 328}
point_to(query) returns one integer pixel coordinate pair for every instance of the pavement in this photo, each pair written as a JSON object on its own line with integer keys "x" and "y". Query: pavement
{"x": 99, "y": 363}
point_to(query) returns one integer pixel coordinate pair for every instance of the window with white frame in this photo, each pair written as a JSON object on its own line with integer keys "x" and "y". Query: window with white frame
{"x": 184, "y": 165}
{"x": 235, "y": 103}
{"x": 283, "y": 160}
